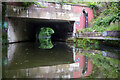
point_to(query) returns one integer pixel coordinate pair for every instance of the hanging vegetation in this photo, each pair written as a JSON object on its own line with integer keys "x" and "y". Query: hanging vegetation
{"x": 94, "y": 7}
{"x": 44, "y": 37}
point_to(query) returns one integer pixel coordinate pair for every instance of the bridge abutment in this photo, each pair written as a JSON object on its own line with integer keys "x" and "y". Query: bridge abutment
{"x": 19, "y": 30}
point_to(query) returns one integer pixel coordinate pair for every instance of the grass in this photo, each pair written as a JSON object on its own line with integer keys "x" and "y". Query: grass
{"x": 112, "y": 27}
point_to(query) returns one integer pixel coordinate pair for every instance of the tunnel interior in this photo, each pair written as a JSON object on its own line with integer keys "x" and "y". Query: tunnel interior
{"x": 25, "y": 29}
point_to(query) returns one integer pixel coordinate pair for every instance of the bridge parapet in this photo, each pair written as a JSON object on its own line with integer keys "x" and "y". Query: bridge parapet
{"x": 50, "y": 11}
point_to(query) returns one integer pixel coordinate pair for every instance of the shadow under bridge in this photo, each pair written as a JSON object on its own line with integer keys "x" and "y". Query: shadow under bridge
{"x": 25, "y": 29}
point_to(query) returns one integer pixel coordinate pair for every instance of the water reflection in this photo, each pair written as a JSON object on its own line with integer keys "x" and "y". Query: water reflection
{"x": 83, "y": 63}
{"x": 105, "y": 61}
{"x": 26, "y": 60}
{"x": 29, "y": 55}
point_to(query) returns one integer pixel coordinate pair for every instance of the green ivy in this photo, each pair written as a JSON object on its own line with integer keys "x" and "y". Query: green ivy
{"x": 44, "y": 37}
{"x": 93, "y": 6}
{"x": 27, "y": 4}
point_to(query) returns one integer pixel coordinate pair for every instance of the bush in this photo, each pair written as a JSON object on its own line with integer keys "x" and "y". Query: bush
{"x": 113, "y": 27}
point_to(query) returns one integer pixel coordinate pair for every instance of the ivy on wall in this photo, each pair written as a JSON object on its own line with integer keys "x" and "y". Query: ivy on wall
{"x": 93, "y": 6}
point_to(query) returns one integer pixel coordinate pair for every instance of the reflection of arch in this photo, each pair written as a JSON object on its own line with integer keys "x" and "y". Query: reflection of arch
{"x": 84, "y": 63}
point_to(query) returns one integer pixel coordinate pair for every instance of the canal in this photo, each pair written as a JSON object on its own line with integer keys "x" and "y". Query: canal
{"x": 63, "y": 60}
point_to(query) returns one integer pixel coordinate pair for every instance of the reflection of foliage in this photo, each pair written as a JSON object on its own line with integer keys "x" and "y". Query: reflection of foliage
{"x": 112, "y": 43}
{"x": 44, "y": 38}
{"x": 86, "y": 47}
{"x": 86, "y": 41}
{"x": 108, "y": 66}
{"x": 83, "y": 41}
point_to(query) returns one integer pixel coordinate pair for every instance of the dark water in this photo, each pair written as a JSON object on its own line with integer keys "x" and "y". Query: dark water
{"x": 26, "y": 60}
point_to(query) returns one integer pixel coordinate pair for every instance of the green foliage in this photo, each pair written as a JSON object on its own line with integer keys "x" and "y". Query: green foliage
{"x": 93, "y": 6}
{"x": 45, "y": 43}
{"x": 86, "y": 30}
{"x": 85, "y": 41}
{"x": 39, "y": 5}
{"x": 113, "y": 27}
{"x": 27, "y": 4}
{"x": 44, "y": 37}
{"x": 103, "y": 21}
{"x": 108, "y": 16}
{"x": 3, "y": 12}
{"x": 112, "y": 14}
{"x": 106, "y": 11}
{"x": 108, "y": 66}
{"x": 85, "y": 47}
{"x": 45, "y": 32}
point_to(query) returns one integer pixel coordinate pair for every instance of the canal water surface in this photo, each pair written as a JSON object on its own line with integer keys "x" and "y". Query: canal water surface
{"x": 27, "y": 60}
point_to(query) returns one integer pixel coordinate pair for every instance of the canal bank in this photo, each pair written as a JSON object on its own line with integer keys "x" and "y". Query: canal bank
{"x": 95, "y": 40}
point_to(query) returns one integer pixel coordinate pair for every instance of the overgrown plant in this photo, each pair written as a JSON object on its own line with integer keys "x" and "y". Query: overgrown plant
{"x": 44, "y": 38}
{"x": 94, "y": 7}
{"x": 85, "y": 41}
{"x": 107, "y": 20}
{"x": 27, "y": 4}
{"x": 111, "y": 14}
{"x": 108, "y": 66}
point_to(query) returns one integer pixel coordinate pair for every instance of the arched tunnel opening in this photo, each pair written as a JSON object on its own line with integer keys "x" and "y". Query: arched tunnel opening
{"x": 25, "y": 29}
